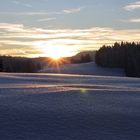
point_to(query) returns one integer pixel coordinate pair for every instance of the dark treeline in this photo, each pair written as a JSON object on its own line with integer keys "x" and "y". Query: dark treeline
{"x": 20, "y": 64}
{"x": 120, "y": 55}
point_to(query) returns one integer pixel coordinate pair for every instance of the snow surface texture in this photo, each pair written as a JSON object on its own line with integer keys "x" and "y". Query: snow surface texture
{"x": 84, "y": 68}
{"x": 69, "y": 107}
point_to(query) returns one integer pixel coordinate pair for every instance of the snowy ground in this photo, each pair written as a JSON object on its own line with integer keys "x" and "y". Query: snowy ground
{"x": 84, "y": 68}
{"x": 69, "y": 107}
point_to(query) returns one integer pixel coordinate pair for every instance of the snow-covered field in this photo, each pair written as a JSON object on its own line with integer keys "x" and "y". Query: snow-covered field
{"x": 69, "y": 107}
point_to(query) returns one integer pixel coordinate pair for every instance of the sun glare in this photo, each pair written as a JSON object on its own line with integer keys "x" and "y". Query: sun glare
{"x": 55, "y": 57}
{"x": 55, "y": 52}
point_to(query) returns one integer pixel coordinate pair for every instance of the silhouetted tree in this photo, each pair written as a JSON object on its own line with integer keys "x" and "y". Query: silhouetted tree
{"x": 1, "y": 64}
{"x": 121, "y": 55}
{"x": 19, "y": 64}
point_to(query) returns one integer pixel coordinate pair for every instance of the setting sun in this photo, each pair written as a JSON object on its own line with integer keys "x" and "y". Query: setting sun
{"x": 55, "y": 51}
{"x": 55, "y": 57}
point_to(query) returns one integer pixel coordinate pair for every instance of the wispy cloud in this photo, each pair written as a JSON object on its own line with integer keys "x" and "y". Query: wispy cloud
{"x": 17, "y": 2}
{"x": 17, "y": 38}
{"x": 132, "y": 6}
{"x": 136, "y": 20}
{"x": 38, "y": 13}
{"x": 11, "y": 27}
{"x": 75, "y": 10}
{"x": 41, "y": 13}
{"x": 47, "y": 19}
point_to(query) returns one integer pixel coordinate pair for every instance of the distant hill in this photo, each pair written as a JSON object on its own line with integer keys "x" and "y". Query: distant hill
{"x": 90, "y": 55}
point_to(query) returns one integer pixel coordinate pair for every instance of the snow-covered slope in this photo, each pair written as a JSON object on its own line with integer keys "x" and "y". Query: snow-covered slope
{"x": 69, "y": 107}
{"x": 85, "y": 68}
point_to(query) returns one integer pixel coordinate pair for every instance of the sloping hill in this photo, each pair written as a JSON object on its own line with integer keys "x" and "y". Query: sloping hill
{"x": 85, "y": 68}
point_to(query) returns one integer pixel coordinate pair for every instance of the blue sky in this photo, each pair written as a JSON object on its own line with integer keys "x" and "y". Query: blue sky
{"x": 30, "y": 27}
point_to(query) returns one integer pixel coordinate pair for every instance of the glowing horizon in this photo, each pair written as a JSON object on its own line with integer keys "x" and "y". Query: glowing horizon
{"x": 45, "y": 27}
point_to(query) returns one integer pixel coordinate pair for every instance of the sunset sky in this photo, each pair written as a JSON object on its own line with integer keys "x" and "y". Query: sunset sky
{"x": 35, "y": 28}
